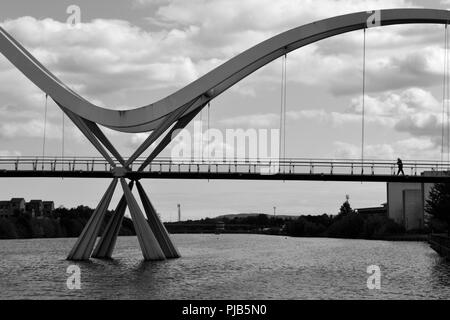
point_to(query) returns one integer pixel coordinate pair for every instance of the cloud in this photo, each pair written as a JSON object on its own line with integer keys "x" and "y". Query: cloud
{"x": 272, "y": 120}
{"x": 262, "y": 14}
{"x": 345, "y": 150}
{"x": 411, "y": 148}
{"x": 386, "y": 70}
{"x": 398, "y": 56}
{"x": 107, "y": 60}
{"x": 396, "y": 104}
{"x": 104, "y": 60}
{"x": 421, "y": 125}
{"x": 117, "y": 64}
{"x": 10, "y": 153}
{"x": 29, "y": 129}
{"x": 137, "y": 139}
{"x": 413, "y": 110}
{"x": 106, "y": 56}
{"x": 266, "y": 120}
{"x": 336, "y": 118}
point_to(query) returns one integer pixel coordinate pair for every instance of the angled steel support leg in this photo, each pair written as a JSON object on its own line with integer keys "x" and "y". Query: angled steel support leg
{"x": 159, "y": 131}
{"x": 176, "y": 129}
{"x": 158, "y": 228}
{"x": 85, "y": 243}
{"x": 107, "y": 242}
{"x": 149, "y": 245}
{"x": 78, "y": 121}
{"x": 103, "y": 139}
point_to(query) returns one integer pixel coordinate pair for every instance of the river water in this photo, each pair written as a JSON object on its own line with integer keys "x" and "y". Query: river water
{"x": 228, "y": 266}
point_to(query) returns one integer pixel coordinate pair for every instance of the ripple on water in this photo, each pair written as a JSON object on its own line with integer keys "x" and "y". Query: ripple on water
{"x": 228, "y": 267}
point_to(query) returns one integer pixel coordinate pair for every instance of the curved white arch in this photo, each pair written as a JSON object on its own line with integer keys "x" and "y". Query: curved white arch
{"x": 209, "y": 86}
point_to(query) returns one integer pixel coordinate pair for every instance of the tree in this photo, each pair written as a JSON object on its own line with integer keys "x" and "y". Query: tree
{"x": 7, "y": 229}
{"x": 262, "y": 220}
{"x": 349, "y": 225}
{"x": 438, "y": 203}
{"x": 345, "y": 208}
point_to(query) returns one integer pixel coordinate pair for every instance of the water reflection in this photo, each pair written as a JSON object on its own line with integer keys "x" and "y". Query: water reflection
{"x": 440, "y": 271}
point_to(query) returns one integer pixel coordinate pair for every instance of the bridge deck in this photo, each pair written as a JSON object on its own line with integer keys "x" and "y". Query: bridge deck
{"x": 244, "y": 169}
{"x": 227, "y": 176}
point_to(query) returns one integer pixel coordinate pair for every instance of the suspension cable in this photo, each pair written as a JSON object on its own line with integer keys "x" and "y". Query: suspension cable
{"x": 363, "y": 103}
{"x": 280, "y": 138}
{"x": 284, "y": 107}
{"x": 45, "y": 130}
{"x": 448, "y": 97}
{"x": 207, "y": 133}
{"x": 201, "y": 136}
{"x": 444, "y": 92}
{"x": 62, "y": 142}
{"x": 207, "y": 137}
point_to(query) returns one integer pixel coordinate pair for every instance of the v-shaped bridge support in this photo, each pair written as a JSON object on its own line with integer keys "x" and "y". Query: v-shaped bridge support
{"x": 154, "y": 240}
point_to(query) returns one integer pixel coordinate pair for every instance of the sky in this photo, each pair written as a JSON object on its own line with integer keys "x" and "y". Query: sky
{"x": 130, "y": 53}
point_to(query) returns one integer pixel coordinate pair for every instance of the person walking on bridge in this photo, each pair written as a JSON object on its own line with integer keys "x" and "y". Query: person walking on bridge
{"x": 400, "y": 166}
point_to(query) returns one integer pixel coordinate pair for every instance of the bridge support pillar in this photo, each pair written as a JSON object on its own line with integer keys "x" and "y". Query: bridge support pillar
{"x": 107, "y": 242}
{"x": 150, "y": 247}
{"x": 85, "y": 243}
{"x": 158, "y": 228}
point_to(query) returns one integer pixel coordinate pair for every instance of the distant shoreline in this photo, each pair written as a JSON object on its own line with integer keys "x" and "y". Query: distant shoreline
{"x": 69, "y": 223}
{"x": 401, "y": 237}
{"x": 405, "y": 237}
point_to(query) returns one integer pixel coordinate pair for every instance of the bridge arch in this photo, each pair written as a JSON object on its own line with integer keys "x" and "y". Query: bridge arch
{"x": 196, "y": 94}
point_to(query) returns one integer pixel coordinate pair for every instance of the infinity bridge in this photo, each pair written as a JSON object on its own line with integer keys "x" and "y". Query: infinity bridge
{"x": 250, "y": 169}
{"x": 165, "y": 118}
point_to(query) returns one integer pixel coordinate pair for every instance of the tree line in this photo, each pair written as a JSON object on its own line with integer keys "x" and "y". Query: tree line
{"x": 61, "y": 223}
{"x": 438, "y": 207}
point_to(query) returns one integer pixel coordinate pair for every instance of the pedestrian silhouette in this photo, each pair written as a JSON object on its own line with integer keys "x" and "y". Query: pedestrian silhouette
{"x": 400, "y": 167}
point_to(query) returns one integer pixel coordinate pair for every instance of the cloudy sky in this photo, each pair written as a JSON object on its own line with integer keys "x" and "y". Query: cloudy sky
{"x": 130, "y": 53}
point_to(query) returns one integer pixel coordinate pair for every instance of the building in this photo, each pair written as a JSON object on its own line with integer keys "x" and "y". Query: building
{"x": 406, "y": 202}
{"x": 220, "y": 226}
{"x": 17, "y": 205}
{"x": 48, "y": 207}
{"x": 5, "y": 209}
{"x": 382, "y": 210}
{"x": 36, "y": 208}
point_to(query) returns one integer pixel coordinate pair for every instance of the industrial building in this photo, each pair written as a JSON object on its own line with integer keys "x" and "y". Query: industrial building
{"x": 406, "y": 202}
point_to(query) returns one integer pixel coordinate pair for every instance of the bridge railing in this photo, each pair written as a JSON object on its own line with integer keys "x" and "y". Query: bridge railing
{"x": 302, "y": 166}
{"x": 248, "y": 165}
{"x": 49, "y": 163}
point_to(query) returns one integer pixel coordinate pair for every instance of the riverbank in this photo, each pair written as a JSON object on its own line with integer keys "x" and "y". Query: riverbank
{"x": 441, "y": 244}
{"x": 396, "y": 237}
{"x": 403, "y": 237}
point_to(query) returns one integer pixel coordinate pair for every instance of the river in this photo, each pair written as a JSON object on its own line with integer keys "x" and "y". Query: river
{"x": 228, "y": 266}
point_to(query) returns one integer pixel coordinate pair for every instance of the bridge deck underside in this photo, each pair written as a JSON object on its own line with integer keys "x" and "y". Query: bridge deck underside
{"x": 226, "y": 176}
